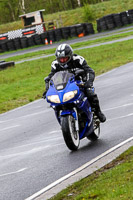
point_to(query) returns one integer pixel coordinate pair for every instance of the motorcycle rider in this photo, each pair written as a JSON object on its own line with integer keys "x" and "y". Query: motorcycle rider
{"x": 67, "y": 60}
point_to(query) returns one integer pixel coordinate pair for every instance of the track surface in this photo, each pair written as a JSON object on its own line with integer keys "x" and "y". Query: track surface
{"x": 32, "y": 150}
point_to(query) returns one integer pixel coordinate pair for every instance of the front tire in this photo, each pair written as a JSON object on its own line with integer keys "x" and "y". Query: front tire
{"x": 71, "y": 136}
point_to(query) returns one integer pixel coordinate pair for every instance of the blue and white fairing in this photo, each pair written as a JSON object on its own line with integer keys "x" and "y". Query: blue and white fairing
{"x": 67, "y": 98}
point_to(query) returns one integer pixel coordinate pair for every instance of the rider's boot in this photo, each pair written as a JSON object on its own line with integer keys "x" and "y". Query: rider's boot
{"x": 100, "y": 115}
{"x": 94, "y": 101}
{"x": 97, "y": 110}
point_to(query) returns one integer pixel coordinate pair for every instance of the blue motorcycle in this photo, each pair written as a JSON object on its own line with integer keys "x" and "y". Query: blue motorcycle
{"x": 66, "y": 96}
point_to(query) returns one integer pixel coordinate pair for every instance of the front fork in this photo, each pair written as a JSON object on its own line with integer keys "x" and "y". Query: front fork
{"x": 72, "y": 112}
{"x": 76, "y": 119}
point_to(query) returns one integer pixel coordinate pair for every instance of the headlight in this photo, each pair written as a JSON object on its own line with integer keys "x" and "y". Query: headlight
{"x": 69, "y": 95}
{"x": 54, "y": 98}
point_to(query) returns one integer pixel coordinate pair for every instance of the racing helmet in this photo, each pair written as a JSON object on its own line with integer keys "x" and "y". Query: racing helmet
{"x": 64, "y": 53}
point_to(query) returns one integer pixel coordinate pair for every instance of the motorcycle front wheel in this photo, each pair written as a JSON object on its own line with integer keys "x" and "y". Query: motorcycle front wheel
{"x": 71, "y": 136}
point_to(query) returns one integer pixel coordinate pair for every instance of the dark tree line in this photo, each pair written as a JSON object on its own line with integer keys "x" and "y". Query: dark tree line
{"x": 11, "y": 9}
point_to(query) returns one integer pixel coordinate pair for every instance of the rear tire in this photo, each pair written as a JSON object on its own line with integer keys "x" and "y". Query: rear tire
{"x": 96, "y": 130}
{"x": 71, "y": 136}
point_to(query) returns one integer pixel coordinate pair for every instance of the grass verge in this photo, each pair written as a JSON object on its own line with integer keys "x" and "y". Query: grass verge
{"x": 77, "y": 15}
{"x": 24, "y": 82}
{"x": 112, "y": 182}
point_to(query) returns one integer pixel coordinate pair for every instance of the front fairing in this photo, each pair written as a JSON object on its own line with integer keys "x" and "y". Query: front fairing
{"x": 71, "y": 86}
{"x": 62, "y": 82}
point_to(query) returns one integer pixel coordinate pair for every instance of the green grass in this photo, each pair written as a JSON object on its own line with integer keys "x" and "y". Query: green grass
{"x": 24, "y": 82}
{"x": 74, "y": 46}
{"x": 112, "y": 182}
{"x": 99, "y": 10}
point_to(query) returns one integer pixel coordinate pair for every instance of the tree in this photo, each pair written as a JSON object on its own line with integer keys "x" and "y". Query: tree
{"x": 22, "y": 6}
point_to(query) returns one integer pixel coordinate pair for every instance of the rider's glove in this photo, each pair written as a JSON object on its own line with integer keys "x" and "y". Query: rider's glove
{"x": 88, "y": 84}
{"x": 44, "y": 95}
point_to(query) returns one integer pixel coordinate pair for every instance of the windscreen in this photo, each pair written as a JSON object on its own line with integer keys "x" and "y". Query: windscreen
{"x": 60, "y": 79}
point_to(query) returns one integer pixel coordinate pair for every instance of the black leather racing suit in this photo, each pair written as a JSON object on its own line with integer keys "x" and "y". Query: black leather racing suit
{"x": 77, "y": 62}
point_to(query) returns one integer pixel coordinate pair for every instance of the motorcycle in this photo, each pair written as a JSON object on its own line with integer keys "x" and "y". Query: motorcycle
{"x": 66, "y": 95}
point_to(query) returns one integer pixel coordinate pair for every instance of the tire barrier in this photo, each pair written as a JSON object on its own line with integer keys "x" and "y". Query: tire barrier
{"x": 88, "y": 28}
{"x": 65, "y": 32}
{"x": 124, "y": 18}
{"x": 24, "y": 43}
{"x": 109, "y": 22}
{"x": 17, "y": 43}
{"x": 117, "y": 20}
{"x": 73, "y": 31}
{"x": 4, "y": 65}
{"x": 3, "y": 46}
{"x": 44, "y": 36}
{"x": 37, "y": 39}
{"x": 10, "y": 45}
{"x": 58, "y": 34}
{"x": 31, "y": 41}
{"x": 51, "y": 36}
{"x": 130, "y": 15}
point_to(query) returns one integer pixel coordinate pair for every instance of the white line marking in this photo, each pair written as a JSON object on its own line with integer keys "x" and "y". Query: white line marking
{"x": 57, "y": 131}
{"x": 125, "y": 105}
{"x": 78, "y": 170}
{"x": 4, "y": 129}
{"x": 29, "y": 115}
{"x": 21, "y": 170}
{"x": 35, "y": 150}
{"x": 39, "y": 142}
{"x": 129, "y": 115}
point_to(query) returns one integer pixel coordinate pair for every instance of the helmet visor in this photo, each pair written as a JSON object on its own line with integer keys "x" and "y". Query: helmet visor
{"x": 63, "y": 59}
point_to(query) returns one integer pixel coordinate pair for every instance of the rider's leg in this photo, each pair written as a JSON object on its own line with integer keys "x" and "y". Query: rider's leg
{"x": 93, "y": 99}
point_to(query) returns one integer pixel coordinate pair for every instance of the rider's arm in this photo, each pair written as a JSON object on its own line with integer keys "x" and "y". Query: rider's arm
{"x": 53, "y": 71}
{"x": 90, "y": 74}
{"x": 81, "y": 63}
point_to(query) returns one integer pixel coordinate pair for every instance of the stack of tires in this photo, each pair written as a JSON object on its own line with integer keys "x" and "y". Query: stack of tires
{"x": 109, "y": 22}
{"x": 3, "y": 46}
{"x": 77, "y": 30}
{"x": 10, "y": 45}
{"x": 31, "y": 41}
{"x": 51, "y": 35}
{"x": 37, "y": 39}
{"x": 101, "y": 25}
{"x": 65, "y": 32}
{"x": 88, "y": 28}
{"x": 130, "y": 15}
{"x": 24, "y": 42}
{"x": 112, "y": 21}
{"x": 73, "y": 31}
{"x": 124, "y": 18}
{"x": 58, "y": 34}
{"x": 117, "y": 20}
{"x": 17, "y": 43}
{"x": 4, "y": 65}
{"x": 80, "y": 29}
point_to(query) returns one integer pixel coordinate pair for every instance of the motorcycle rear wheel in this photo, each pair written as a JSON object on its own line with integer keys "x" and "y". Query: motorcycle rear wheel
{"x": 96, "y": 130}
{"x": 71, "y": 136}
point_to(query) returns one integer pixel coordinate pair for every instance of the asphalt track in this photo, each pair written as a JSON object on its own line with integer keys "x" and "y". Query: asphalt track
{"x": 32, "y": 151}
